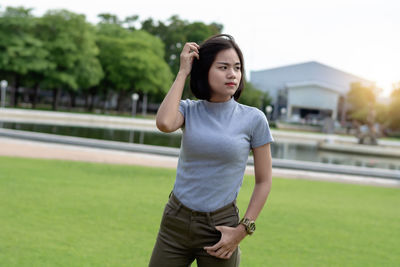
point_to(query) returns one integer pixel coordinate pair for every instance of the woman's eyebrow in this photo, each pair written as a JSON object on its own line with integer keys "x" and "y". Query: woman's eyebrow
{"x": 225, "y": 63}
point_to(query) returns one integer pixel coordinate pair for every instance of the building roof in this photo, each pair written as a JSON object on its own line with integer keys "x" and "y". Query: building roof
{"x": 324, "y": 85}
{"x": 276, "y": 78}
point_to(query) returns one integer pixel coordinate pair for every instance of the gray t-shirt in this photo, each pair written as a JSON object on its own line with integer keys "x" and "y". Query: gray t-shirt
{"x": 216, "y": 141}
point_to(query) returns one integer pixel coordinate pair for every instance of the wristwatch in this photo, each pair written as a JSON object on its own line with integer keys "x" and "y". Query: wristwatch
{"x": 249, "y": 225}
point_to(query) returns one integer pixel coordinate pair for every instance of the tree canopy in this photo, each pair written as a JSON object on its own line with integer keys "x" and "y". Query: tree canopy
{"x": 176, "y": 32}
{"x": 361, "y": 100}
{"x": 132, "y": 60}
{"x": 62, "y": 52}
{"x": 22, "y": 52}
{"x": 252, "y": 96}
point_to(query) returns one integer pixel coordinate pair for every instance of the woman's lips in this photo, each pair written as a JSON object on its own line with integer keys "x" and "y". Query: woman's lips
{"x": 231, "y": 84}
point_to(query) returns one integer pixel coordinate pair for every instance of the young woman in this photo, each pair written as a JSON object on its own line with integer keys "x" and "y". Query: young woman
{"x": 201, "y": 220}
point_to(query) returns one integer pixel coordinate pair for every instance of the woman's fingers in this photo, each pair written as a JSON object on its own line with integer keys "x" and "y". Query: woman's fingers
{"x": 190, "y": 47}
{"x": 194, "y": 44}
{"x": 189, "y": 52}
{"x": 196, "y": 55}
{"x": 221, "y": 253}
{"x": 227, "y": 255}
{"x": 217, "y": 246}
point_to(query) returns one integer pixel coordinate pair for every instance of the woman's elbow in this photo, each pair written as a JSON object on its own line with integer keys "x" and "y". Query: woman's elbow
{"x": 163, "y": 126}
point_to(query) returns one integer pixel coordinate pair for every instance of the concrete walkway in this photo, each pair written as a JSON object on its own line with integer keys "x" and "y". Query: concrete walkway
{"x": 34, "y": 149}
{"x": 75, "y": 119}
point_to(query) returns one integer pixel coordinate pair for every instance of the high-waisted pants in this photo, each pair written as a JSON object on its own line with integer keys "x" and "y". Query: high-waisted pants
{"x": 184, "y": 233}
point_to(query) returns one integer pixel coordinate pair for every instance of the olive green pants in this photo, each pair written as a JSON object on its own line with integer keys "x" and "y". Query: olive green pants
{"x": 184, "y": 232}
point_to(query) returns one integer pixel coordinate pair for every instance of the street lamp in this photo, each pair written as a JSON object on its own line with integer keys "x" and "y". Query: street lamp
{"x": 3, "y": 85}
{"x": 135, "y": 98}
{"x": 283, "y": 112}
{"x": 268, "y": 110}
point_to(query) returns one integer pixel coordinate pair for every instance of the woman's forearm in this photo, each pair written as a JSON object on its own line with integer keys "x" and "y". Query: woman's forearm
{"x": 258, "y": 199}
{"x": 263, "y": 181}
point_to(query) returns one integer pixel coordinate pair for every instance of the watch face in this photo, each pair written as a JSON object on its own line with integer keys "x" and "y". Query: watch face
{"x": 252, "y": 227}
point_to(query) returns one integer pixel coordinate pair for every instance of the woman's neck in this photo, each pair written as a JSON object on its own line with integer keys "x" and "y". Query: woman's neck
{"x": 220, "y": 99}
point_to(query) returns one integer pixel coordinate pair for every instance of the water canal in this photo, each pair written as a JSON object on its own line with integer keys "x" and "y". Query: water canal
{"x": 282, "y": 150}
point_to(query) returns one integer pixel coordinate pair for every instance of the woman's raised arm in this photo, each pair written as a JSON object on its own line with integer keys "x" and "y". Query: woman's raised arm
{"x": 168, "y": 117}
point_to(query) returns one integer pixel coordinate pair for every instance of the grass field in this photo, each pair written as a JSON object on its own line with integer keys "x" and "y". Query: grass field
{"x": 59, "y": 213}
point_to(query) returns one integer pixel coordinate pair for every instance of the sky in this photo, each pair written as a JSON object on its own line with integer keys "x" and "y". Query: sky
{"x": 361, "y": 37}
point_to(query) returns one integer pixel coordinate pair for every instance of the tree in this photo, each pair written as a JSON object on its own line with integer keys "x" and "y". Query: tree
{"x": 132, "y": 61}
{"x": 252, "y": 96}
{"x": 88, "y": 71}
{"x": 361, "y": 100}
{"x": 71, "y": 44}
{"x": 394, "y": 108}
{"x": 382, "y": 114}
{"x": 130, "y": 22}
{"x": 22, "y": 53}
{"x": 363, "y": 110}
{"x": 107, "y": 18}
{"x": 175, "y": 33}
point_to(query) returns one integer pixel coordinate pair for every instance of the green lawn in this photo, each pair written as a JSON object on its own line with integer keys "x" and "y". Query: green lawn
{"x": 60, "y": 213}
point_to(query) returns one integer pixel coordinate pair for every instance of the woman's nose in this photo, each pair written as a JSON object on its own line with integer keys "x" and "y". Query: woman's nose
{"x": 231, "y": 73}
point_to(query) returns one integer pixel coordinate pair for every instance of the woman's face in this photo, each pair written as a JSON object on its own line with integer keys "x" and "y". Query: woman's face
{"x": 224, "y": 75}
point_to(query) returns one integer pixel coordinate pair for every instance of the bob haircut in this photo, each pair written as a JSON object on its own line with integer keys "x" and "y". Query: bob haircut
{"x": 208, "y": 51}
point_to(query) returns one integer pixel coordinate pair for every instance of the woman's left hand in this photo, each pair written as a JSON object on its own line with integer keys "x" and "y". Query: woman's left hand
{"x": 230, "y": 239}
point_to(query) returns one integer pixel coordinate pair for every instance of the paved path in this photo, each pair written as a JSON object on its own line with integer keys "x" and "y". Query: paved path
{"x": 33, "y": 149}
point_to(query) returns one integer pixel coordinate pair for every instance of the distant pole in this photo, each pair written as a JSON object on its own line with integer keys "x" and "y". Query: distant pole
{"x": 3, "y": 85}
{"x": 283, "y": 112}
{"x": 343, "y": 113}
{"x": 144, "y": 106}
{"x": 135, "y": 98}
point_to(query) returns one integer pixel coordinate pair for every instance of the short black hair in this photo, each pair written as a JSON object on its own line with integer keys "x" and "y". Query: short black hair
{"x": 200, "y": 68}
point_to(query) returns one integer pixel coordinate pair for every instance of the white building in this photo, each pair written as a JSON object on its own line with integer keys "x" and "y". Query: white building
{"x": 309, "y": 90}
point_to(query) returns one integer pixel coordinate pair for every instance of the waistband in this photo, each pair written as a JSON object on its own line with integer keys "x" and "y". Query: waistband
{"x": 175, "y": 200}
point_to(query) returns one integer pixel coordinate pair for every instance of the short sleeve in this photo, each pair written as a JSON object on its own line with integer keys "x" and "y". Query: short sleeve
{"x": 261, "y": 134}
{"x": 183, "y": 105}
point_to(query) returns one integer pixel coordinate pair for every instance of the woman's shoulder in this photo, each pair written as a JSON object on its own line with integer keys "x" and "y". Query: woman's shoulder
{"x": 186, "y": 105}
{"x": 190, "y": 102}
{"x": 251, "y": 111}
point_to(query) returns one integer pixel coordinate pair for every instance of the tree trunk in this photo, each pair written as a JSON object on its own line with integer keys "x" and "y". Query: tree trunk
{"x": 104, "y": 108}
{"x": 86, "y": 105}
{"x": 72, "y": 98}
{"x": 56, "y": 96}
{"x": 91, "y": 99}
{"x": 14, "y": 92}
{"x": 120, "y": 101}
{"x": 12, "y": 95}
{"x": 34, "y": 95}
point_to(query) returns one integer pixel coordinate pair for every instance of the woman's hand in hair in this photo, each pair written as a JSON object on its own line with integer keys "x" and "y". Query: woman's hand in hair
{"x": 189, "y": 52}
